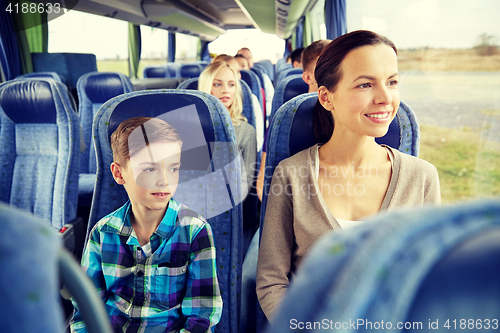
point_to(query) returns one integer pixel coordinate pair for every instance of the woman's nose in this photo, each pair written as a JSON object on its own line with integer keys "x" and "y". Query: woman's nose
{"x": 383, "y": 95}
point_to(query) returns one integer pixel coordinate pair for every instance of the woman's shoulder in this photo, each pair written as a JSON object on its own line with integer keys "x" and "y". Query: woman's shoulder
{"x": 300, "y": 162}
{"x": 412, "y": 165}
{"x": 244, "y": 128}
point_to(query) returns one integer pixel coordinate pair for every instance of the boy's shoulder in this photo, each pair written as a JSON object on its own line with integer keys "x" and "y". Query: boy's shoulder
{"x": 188, "y": 217}
{"x": 113, "y": 222}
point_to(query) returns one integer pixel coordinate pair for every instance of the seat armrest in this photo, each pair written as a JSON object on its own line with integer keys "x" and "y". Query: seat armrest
{"x": 73, "y": 236}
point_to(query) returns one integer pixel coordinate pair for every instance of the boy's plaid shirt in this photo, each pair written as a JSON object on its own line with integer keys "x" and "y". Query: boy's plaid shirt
{"x": 174, "y": 288}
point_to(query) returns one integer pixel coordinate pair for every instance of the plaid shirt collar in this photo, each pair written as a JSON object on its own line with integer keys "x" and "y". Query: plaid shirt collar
{"x": 123, "y": 226}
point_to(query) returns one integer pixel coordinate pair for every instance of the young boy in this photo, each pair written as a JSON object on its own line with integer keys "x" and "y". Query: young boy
{"x": 153, "y": 259}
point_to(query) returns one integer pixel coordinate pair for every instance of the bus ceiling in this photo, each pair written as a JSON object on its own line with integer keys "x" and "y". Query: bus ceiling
{"x": 204, "y": 19}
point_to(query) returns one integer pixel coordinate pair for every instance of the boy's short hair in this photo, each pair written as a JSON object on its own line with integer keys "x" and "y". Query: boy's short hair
{"x": 313, "y": 51}
{"x": 296, "y": 55}
{"x": 153, "y": 130}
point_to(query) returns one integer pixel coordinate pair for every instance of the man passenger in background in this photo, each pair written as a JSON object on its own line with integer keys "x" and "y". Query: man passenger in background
{"x": 245, "y": 51}
{"x": 309, "y": 58}
{"x": 296, "y": 57}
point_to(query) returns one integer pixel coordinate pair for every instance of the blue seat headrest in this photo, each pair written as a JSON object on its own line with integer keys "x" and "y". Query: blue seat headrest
{"x": 247, "y": 77}
{"x": 302, "y": 133}
{"x": 393, "y": 136}
{"x": 464, "y": 281}
{"x": 190, "y": 70}
{"x": 33, "y": 95}
{"x": 156, "y": 105}
{"x": 192, "y": 84}
{"x": 294, "y": 88}
{"x": 100, "y": 88}
{"x": 156, "y": 71}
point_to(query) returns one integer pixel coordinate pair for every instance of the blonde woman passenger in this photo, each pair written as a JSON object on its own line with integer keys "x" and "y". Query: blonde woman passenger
{"x": 221, "y": 81}
{"x": 337, "y": 184}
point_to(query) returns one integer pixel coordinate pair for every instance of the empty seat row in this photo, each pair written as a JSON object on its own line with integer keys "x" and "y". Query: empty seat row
{"x": 175, "y": 70}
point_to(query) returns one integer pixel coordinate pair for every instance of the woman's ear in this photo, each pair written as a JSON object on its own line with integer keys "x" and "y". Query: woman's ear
{"x": 117, "y": 175}
{"x": 325, "y": 98}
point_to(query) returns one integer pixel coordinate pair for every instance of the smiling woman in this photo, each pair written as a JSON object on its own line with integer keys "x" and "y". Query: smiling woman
{"x": 358, "y": 98}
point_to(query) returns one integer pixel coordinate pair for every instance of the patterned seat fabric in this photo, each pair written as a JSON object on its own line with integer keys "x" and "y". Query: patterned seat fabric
{"x": 428, "y": 266}
{"x": 40, "y": 149}
{"x": 93, "y": 90}
{"x": 46, "y": 75}
{"x": 288, "y": 88}
{"x": 254, "y": 83}
{"x": 287, "y": 71}
{"x": 29, "y": 251}
{"x": 191, "y": 84}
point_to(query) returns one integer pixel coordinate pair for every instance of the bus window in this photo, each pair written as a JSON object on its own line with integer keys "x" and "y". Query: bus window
{"x": 154, "y": 48}
{"x": 450, "y": 76}
{"x": 186, "y": 49}
{"x": 105, "y": 37}
{"x": 263, "y": 46}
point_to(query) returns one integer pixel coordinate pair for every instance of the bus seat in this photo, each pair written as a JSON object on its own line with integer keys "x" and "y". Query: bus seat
{"x": 94, "y": 89}
{"x": 248, "y": 316}
{"x": 190, "y": 70}
{"x": 29, "y": 287}
{"x": 40, "y": 152}
{"x": 46, "y": 75}
{"x": 267, "y": 87}
{"x": 215, "y": 127}
{"x": 32, "y": 255}
{"x": 287, "y": 72}
{"x": 68, "y": 65}
{"x": 435, "y": 266}
{"x": 260, "y": 74}
{"x": 254, "y": 83}
{"x": 173, "y": 69}
{"x": 291, "y": 131}
{"x": 53, "y": 76}
{"x": 280, "y": 67}
{"x": 191, "y": 84}
{"x": 156, "y": 71}
{"x": 286, "y": 89}
{"x": 249, "y": 109}
{"x": 267, "y": 66}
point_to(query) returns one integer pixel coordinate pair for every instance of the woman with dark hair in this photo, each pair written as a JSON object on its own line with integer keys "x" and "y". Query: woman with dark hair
{"x": 334, "y": 185}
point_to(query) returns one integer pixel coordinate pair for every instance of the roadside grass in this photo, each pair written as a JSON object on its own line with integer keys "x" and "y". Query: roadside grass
{"x": 468, "y": 167}
{"x": 459, "y": 60}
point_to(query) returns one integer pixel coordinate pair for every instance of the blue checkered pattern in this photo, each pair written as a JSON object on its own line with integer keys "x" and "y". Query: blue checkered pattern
{"x": 174, "y": 287}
